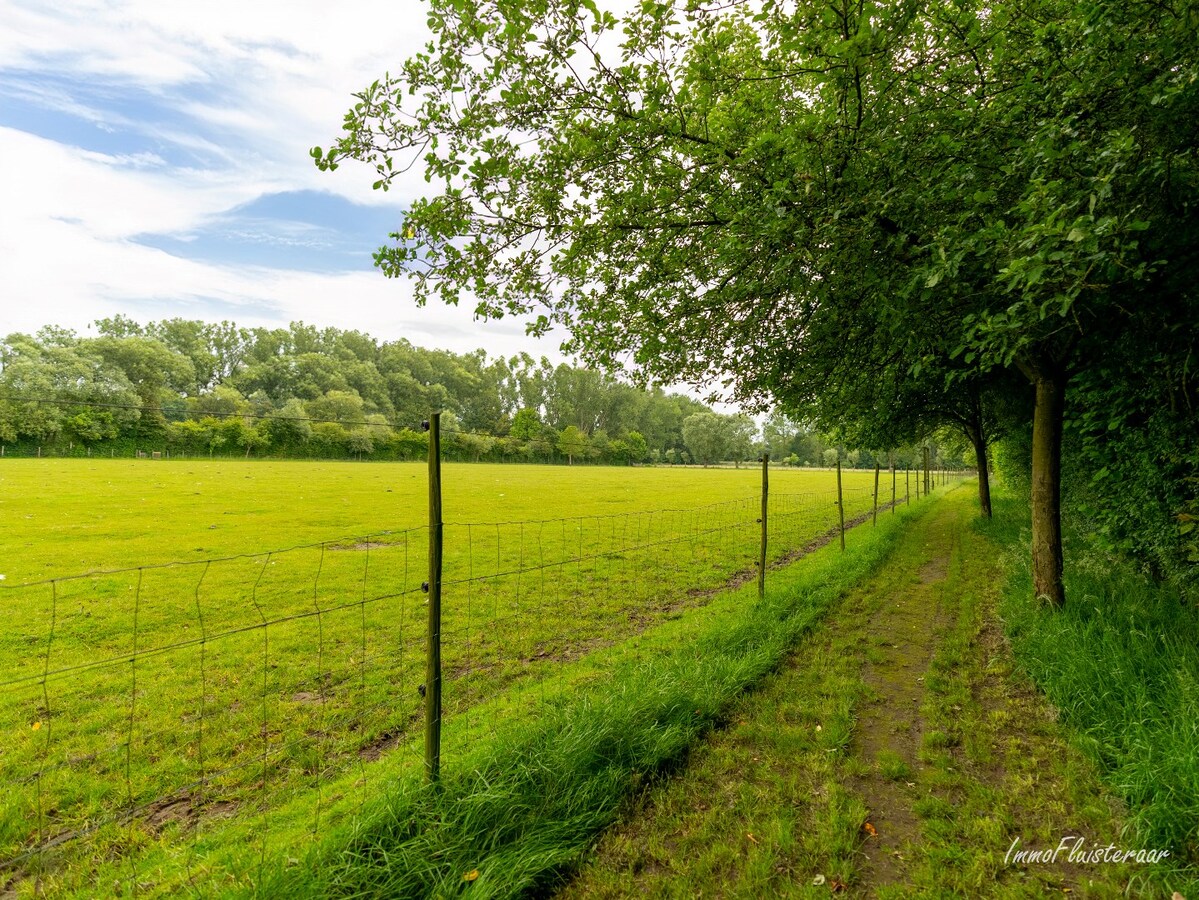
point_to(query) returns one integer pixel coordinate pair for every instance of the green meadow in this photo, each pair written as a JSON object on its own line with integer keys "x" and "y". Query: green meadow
{"x": 194, "y": 649}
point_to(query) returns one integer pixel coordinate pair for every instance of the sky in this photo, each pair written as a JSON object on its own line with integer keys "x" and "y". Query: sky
{"x": 154, "y": 162}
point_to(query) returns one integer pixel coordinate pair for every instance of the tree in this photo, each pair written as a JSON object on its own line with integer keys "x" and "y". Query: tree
{"x": 708, "y": 437}
{"x": 221, "y": 400}
{"x": 343, "y": 407}
{"x": 1008, "y": 177}
{"x": 741, "y": 433}
{"x": 638, "y": 448}
{"x": 90, "y": 426}
{"x": 361, "y": 441}
{"x": 290, "y": 426}
{"x": 572, "y": 442}
{"x": 526, "y": 425}
{"x": 212, "y": 433}
{"x": 154, "y": 369}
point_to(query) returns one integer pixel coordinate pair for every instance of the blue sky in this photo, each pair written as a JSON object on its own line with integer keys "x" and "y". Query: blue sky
{"x": 154, "y": 162}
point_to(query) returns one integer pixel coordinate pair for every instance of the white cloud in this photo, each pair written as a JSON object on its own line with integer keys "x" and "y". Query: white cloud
{"x": 277, "y": 79}
{"x": 251, "y": 86}
{"x": 110, "y": 196}
{"x": 98, "y": 278}
{"x": 65, "y": 238}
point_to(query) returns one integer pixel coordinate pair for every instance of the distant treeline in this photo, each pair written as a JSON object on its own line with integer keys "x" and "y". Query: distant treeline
{"x": 196, "y": 388}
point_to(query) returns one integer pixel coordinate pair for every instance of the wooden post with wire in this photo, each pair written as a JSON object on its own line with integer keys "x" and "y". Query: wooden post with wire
{"x": 840, "y": 503}
{"x": 762, "y": 550}
{"x": 891, "y": 463}
{"x": 875, "y": 521}
{"x": 433, "y": 586}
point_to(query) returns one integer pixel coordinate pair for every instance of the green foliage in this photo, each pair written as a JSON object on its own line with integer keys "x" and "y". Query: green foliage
{"x": 526, "y": 424}
{"x": 874, "y": 214}
{"x": 712, "y": 438}
{"x": 1122, "y": 666}
{"x": 258, "y": 386}
{"x": 572, "y": 442}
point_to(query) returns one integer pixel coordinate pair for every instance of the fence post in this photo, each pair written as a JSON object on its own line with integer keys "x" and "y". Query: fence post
{"x": 840, "y": 503}
{"x": 433, "y": 669}
{"x": 907, "y": 486}
{"x": 875, "y": 522}
{"x": 762, "y": 551}
{"x": 891, "y": 463}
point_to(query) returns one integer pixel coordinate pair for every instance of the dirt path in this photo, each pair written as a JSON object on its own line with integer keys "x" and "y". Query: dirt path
{"x": 897, "y": 754}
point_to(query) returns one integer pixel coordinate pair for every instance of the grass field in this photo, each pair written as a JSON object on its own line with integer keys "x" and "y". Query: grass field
{"x": 263, "y": 663}
{"x": 901, "y": 709}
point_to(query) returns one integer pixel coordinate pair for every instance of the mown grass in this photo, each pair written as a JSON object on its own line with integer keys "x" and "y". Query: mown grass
{"x": 68, "y": 516}
{"x": 1121, "y": 663}
{"x": 517, "y": 814}
{"x": 776, "y": 804}
{"x": 156, "y": 706}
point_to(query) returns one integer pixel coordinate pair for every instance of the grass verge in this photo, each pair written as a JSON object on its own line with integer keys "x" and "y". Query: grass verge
{"x": 1121, "y": 663}
{"x": 895, "y": 754}
{"x": 510, "y": 817}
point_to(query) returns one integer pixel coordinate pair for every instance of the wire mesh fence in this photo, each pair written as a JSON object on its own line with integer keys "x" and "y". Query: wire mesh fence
{"x": 151, "y": 707}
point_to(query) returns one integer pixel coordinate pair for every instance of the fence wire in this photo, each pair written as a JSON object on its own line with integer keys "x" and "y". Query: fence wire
{"x": 156, "y": 705}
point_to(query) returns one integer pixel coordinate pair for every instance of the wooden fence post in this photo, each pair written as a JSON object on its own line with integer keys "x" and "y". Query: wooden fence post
{"x": 840, "y": 503}
{"x": 891, "y": 463}
{"x": 433, "y": 667}
{"x": 762, "y": 551}
{"x": 907, "y": 486}
{"x": 875, "y": 522}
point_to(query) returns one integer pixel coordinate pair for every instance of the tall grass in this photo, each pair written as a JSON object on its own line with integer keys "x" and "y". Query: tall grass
{"x": 1121, "y": 664}
{"x": 512, "y": 817}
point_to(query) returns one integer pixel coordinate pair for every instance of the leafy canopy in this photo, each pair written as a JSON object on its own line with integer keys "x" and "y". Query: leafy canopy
{"x": 723, "y": 188}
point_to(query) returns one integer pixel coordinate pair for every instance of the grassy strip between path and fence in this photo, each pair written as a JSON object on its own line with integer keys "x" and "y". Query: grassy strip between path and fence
{"x": 519, "y": 807}
{"x": 1121, "y": 663}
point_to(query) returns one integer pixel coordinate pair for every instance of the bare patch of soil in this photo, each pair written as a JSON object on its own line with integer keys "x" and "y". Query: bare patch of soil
{"x": 389, "y": 740}
{"x": 362, "y": 545}
{"x": 890, "y": 729}
{"x": 185, "y": 810}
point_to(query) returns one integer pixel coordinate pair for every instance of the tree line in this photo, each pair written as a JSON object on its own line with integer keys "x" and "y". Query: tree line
{"x": 889, "y": 219}
{"x": 196, "y": 388}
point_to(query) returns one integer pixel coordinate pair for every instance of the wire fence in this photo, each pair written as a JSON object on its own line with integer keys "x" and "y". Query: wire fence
{"x": 159, "y": 712}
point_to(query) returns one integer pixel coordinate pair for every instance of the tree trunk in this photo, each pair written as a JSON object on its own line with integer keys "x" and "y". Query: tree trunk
{"x": 984, "y": 477}
{"x": 1047, "y": 487}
